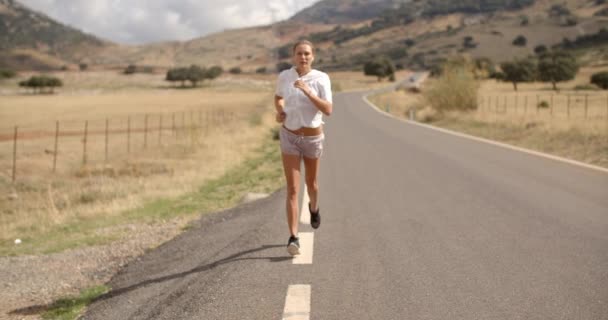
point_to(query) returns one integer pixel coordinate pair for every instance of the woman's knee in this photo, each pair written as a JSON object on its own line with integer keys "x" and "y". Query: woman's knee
{"x": 292, "y": 192}
{"x": 312, "y": 186}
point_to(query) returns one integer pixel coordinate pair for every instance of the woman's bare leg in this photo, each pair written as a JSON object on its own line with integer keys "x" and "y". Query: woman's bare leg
{"x": 312, "y": 169}
{"x": 291, "y": 165}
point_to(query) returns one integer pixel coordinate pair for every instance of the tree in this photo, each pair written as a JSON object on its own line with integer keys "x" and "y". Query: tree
{"x": 235, "y": 70}
{"x": 518, "y": 71}
{"x": 540, "y": 49}
{"x": 468, "y": 42}
{"x": 131, "y": 69}
{"x": 260, "y": 70}
{"x": 7, "y": 74}
{"x": 600, "y": 79}
{"x": 38, "y": 83}
{"x": 53, "y": 83}
{"x": 195, "y": 74}
{"x": 520, "y": 41}
{"x": 214, "y": 72}
{"x": 557, "y": 66}
{"x": 177, "y": 74}
{"x": 524, "y": 20}
{"x": 83, "y": 66}
{"x": 381, "y": 68}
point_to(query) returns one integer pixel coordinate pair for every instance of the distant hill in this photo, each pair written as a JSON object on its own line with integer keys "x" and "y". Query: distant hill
{"x": 347, "y": 33}
{"x": 345, "y": 11}
{"x": 29, "y": 38}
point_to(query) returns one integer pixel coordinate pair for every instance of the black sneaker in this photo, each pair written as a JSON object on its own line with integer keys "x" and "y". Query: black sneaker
{"x": 293, "y": 246}
{"x": 315, "y": 218}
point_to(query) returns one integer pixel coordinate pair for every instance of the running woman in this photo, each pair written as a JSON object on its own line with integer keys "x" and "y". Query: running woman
{"x": 302, "y": 97}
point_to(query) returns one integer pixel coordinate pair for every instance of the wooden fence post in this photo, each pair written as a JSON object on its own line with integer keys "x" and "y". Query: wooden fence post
{"x": 15, "y": 154}
{"x": 568, "y": 109}
{"x": 146, "y": 131}
{"x": 183, "y": 122}
{"x": 56, "y": 146}
{"x": 525, "y": 104}
{"x": 84, "y": 144}
{"x": 173, "y": 125}
{"x": 107, "y": 133}
{"x": 128, "y": 134}
{"x": 586, "y": 105}
{"x": 160, "y": 128}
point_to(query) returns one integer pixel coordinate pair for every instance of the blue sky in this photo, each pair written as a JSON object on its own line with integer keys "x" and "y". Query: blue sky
{"x": 144, "y": 21}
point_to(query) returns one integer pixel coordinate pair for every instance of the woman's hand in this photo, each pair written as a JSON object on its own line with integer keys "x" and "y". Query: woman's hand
{"x": 280, "y": 116}
{"x": 302, "y": 86}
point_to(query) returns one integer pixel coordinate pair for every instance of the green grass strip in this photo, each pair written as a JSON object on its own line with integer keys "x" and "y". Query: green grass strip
{"x": 71, "y": 307}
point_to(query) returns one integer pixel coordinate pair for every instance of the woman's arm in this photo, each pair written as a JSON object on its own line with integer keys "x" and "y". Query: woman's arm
{"x": 279, "y": 104}
{"x": 323, "y": 105}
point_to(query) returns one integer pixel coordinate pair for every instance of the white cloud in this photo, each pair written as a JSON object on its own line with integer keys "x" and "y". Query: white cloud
{"x": 142, "y": 21}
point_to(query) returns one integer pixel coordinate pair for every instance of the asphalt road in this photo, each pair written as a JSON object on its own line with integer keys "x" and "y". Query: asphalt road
{"x": 417, "y": 224}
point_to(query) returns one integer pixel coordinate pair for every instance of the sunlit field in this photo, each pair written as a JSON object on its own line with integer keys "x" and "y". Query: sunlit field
{"x": 160, "y": 143}
{"x": 572, "y": 122}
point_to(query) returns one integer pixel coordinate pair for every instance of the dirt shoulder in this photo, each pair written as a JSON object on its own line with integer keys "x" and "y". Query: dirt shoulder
{"x": 28, "y": 284}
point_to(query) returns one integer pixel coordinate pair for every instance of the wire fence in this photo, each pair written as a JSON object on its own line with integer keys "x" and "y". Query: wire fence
{"x": 574, "y": 106}
{"x": 88, "y": 142}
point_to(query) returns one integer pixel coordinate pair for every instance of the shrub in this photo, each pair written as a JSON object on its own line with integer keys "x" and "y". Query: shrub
{"x": 381, "y": 68}
{"x": 235, "y": 70}
{"x": 543, "y": 104}
{"x": 455, "y": 89}
{"x": 468, "y": 42}
{"x": 540, "y": 49}
{"x": 7, "y": 74}
{"x": 600, "y": 79}
{"x": 260, "y": 70}
{"x": 520, "y": 41}
{"x": 131, "y": 69}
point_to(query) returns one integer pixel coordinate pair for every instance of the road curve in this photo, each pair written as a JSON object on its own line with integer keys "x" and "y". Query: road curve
{"x": 417, "y": 224}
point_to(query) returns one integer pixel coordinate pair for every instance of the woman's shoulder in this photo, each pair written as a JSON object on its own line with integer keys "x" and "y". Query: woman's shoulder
{"x": 320, "y": 73}
{"x": 285, "y": 73}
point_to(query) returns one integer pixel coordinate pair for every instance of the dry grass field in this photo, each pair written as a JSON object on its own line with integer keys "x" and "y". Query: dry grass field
{"x": 216, "y": 127}
{"x": 514, "y": 118}
{"x": 191, "y": 137}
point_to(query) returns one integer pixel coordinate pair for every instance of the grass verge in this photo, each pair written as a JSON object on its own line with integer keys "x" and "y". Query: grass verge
{"x": 572, "y": 143}
{"x": 259, "y": 173}
{"x": 584, "y": 141}
{"x": 70, "y": 308}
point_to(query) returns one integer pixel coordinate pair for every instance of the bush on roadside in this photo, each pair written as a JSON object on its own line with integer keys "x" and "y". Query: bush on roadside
{"x": 7, "y": 74}
{"x": 600, "y": 79}
{"x": 543, "y": 104}
{"x": 455, "y": 89}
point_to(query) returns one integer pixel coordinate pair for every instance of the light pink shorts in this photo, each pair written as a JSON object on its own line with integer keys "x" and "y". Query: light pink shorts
{"x": 308, "y": 146}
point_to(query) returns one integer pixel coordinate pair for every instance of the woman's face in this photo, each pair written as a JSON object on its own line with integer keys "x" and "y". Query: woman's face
{"x": 303, "y": 56}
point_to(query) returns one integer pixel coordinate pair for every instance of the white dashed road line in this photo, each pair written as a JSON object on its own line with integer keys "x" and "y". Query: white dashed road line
{"x": 297, "y": 303}
{"x": 304, "y": 214}
{"x": 306, "y": 248}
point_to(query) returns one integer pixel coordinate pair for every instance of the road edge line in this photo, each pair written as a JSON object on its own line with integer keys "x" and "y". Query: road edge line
{"x": 493, "y": 142}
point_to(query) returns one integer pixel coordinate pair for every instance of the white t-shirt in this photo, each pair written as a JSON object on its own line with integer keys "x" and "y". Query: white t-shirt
{"x": 300, "y": 111}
